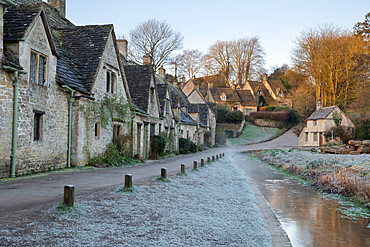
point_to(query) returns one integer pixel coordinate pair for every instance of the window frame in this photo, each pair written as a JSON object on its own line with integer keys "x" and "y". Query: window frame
{"x": 315, "y": 136}
{"x": 37, "y": 125}
{"x": 38, "y": 68}
{"x": 97, "y": 130}
{"x": 110, "y": 82}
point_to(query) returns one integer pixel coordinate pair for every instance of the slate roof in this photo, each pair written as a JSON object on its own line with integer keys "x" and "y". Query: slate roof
{"x": 231, "y": 94}
{"x": 162, "y": 93}
{"x": 82, "y": 47}
{"x": 138, "y": 78}
{"x": 247, "y": 98}
{"x": 17, "y": 19}
{"x": 276, "y": 85}
{"x": 321, "y": 113}
{"x": 186, "y": 118}
{"x": 11, "y": 60}
{"x": 217, "y": 80}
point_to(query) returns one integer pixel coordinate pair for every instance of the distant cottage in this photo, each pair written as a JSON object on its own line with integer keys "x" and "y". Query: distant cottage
{"x": 320, "y": 121}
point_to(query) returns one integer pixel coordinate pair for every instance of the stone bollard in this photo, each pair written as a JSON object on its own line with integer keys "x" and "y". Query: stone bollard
{"x": 195, "y": 166}
{"x": 213, "y": 158}
{"x": 208, "y": 159}
{"x": 69, "y": 195}
{"x": 182, "y": 168}
{"x": 201, "y": 162}
{"x": 163, "y": 172}
{"x": 128, "y": 181}
{"x": 216, "y": 156}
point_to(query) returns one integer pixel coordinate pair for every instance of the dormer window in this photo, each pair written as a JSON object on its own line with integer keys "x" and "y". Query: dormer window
{"x": 111, "y": 82}
{"x": 38, "y": 68}
{"x": 258, "y": 92}
{"x": 279, "y": 93}
{"x": 223, "y": 97}
{"x": 152, "y": 94}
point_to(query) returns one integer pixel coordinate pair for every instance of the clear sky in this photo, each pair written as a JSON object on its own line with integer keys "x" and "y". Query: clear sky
{"x": 276, "y": 23}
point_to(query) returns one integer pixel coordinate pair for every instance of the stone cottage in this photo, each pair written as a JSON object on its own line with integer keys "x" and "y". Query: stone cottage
{"x": 51, "y": 71}
{"x": 320, "y": 121}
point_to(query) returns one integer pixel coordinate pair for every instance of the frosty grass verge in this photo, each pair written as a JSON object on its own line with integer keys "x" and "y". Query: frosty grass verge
{"x": 214, "y": 206}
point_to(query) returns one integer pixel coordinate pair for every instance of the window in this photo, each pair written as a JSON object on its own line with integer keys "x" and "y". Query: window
{"x": 314, "y": 122}
{"x": 111, "y": 82}
{"x": 152, "y": 130}
{"x": 37, "y": 125}
{"x": 223, "y": 97}
{"x": 97, "y": 130}
{"x": 116, "y": 130}
{"x": 315, "y": 136}
{"x": 235, "y": 108}
{"x": 306, "y": 136}
{"x": 167, "y": 102}
{"x": 151, "y": 94}
{"x": 38, "y": 68}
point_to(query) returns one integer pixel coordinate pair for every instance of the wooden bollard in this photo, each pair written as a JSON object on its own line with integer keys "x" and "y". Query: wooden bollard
{"x": 163, "y": 172}
{"x": 182, "y": 168}
{"x": 208, "y": 159}
{"x": 220, "y": 156}
{"x": 223, "y": 154}
{"x": 201, "y": 162}
{"x": 128, "y": 181}
{"x": 195, "y": 166}
{"x": 216, "y": 156}
{"x": 69, "y": 195}
{"x": 213, "y": 158}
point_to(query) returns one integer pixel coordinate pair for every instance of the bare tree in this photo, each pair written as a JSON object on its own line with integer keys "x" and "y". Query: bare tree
{"x": 156, "y": 39}
{"x": 247, "y": 59}
{"x": 191, "y": 62}
{"x": 220, "y": 57}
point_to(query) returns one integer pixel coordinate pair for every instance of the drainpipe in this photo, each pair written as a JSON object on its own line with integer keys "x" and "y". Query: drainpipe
{"x": 15, "y": 117}
{"x": 71, "y": 100}
{"x": 132, "y": 134}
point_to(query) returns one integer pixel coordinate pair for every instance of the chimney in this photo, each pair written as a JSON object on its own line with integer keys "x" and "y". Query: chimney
{"x": 162, "y": 73}
{"x": 147, "y": 59}
{"x": 210, "y": 84}
{"x": 318, "y": 104}
{"x": 122, "y": 47}
{"x": 182, "y": 79}
{"x": 232, "y": 85}
{"x": 60, "y": 5}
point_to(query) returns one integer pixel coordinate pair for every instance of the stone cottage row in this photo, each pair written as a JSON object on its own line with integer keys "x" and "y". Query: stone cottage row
{"x": 67, "y": 91}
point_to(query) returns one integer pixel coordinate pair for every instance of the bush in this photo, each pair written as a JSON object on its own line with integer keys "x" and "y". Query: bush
{"x": 157, "y": 146}
{"x": 275, "y": 116}
{"x": 363, "y": 131}
{"x": 274, "y": 108}
{"x": 343, "y": 132}
{"x": 235, "y": 117}
{"x": 221, "y": 114}
{"x": 186, "y": 146}
{"x": 229, "y": 133}
{"x": 114, "y": 156}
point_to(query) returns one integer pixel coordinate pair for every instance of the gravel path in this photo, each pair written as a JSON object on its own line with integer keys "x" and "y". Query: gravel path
{"x": 214, "y": 206}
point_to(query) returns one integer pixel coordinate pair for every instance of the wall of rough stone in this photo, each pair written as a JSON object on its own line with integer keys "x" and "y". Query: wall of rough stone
{"x": 86, "y": 144}
{"x": 50, "y": 152}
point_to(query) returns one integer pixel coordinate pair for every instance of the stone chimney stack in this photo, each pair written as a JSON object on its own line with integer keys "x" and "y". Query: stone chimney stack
{"x": 210, "y": 84}
{"x": 60, "y": 5}
{"x": 318, "y": 104}
{"x": 147, "y": 59}
{"x": 122, "y": 47}
{"x": 162, "y": 73}
{"x": 182, "y": 79}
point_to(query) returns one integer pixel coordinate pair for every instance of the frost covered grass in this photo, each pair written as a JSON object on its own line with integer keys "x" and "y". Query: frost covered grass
{"x": 214, "y": 206}
{"x": 345, "y": 175}
{"x": 253, "y": 134}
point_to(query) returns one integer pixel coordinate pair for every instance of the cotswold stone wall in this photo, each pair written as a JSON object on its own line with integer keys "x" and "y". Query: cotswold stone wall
{"x": 50, "y": 152}
{"x": 268, "y": 123}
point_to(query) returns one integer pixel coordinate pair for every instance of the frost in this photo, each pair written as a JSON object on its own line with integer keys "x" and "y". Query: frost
{"x": 214, "y": 206}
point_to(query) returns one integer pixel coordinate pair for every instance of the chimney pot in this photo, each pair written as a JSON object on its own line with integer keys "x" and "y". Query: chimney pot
{"x": 318, "y": 104}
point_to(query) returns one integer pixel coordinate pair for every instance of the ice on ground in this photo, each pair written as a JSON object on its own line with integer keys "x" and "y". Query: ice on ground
{"x": 214, "y": 206}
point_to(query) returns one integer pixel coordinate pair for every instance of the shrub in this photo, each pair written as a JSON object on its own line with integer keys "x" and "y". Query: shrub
{"x": 343, "y": 132}
{"x": 363, "y": 131}
{"x": 184, "y": 145}
{"x": 274, "y": 108}
{"x": 221, "y": 114}
{"x": 114, "y": 156}
{"x": 157, "y": 146}
{"x": 193, "y": 147}
{"x": 235, "y": 117}
{"x": 229, "y": 133}
{"x": 275, "y": 116}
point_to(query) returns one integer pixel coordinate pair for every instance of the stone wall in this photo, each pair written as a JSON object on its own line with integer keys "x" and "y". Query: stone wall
{"x": 50, "y": 152}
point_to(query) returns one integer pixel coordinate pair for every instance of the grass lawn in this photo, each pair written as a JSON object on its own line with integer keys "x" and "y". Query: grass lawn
{"x": 252, "y": 134}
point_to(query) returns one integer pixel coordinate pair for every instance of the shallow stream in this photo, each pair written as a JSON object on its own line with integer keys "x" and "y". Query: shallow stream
{"x": 308, "y": 218}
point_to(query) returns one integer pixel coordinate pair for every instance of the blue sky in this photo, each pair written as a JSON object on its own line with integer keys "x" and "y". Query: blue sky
{"x": 201, "y": 22}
